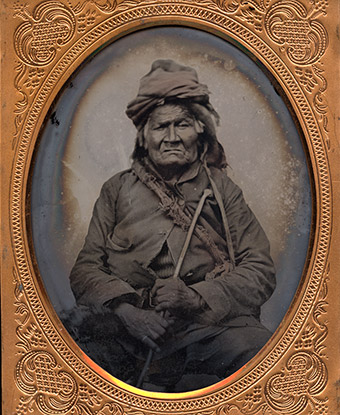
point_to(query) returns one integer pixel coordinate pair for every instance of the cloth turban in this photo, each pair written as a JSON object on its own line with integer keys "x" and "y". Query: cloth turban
{"x": 166, "y": 80}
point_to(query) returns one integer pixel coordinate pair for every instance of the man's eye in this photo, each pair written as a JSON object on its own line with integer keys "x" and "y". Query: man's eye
{"x": 183, "y": 124}
{"x": 159, "y": 127}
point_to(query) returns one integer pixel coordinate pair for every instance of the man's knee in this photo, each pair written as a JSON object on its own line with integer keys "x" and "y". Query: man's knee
{"x": 96, "y": 334}
{"x": 244, "y": 339}
{"x": 248, "y": 343}
{"x": 233, "y": 348}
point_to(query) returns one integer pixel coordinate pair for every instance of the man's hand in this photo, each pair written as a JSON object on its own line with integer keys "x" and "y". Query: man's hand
{"x": 148, "y": 326}
{"x": 173, "y": 295}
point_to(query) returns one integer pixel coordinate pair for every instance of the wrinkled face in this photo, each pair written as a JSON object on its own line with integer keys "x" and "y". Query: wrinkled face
{"x": 171, "y": 137}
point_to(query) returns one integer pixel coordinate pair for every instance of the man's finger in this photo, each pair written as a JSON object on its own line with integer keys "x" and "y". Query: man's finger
{"x": 150, "y": 343}
{"x": 168, "y": 297}
{"x": 156, "y": 331}
{"x": 166, "y": 290}
{"x": 166, "y": 305}
{"x": 161, "y": 321}
{"x": 157, "y": 285}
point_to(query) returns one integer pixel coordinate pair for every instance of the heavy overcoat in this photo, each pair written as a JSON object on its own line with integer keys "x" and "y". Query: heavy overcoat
{"x": 128, "y": 229}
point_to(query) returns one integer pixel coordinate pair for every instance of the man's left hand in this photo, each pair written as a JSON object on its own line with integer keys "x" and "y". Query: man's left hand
{"x": 173, "y": 295}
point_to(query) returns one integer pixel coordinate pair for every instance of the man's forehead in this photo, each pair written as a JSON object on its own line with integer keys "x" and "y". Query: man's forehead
{"x": 170, "y": 112}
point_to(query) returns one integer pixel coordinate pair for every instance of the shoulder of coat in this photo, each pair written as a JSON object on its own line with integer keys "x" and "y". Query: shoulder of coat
{"x": 225, "y": 184}
{"x": 118, "y": 179}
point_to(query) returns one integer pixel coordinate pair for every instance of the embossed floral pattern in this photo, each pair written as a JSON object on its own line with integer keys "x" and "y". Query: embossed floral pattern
{"x": 320, "y": 5}
{"x": 34, "y": 77}
{"x": 289, "y": 25}
{"x": 86, "y": 19}
{"x": 89, "y": 396}
{"x": 50, "y": 26}
{"x": 307, "y": 78}
{"x": 251, "y": 399}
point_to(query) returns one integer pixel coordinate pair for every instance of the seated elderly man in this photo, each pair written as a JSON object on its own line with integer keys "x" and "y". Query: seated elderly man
{"x": 206, "y": 321}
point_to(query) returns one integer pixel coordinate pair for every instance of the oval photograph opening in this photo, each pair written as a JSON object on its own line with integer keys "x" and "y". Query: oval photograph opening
{"x": 170, "y": 209}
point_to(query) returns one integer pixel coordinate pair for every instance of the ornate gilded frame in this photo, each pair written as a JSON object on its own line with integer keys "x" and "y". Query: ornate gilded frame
{"x": 43, "y": 42}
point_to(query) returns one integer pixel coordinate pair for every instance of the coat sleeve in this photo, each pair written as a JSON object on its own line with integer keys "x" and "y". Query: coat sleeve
{"x": 91, "y": 281}
{"x": 242, "y": 291}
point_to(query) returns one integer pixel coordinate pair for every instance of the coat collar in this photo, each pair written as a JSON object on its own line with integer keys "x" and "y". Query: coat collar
{"x": 189, "y": 174}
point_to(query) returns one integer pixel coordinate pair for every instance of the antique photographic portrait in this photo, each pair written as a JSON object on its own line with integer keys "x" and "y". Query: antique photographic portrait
{"x": 171, "y": 208}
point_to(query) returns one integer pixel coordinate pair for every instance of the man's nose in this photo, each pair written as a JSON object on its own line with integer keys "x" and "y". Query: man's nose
{"x": 172, "y": 134}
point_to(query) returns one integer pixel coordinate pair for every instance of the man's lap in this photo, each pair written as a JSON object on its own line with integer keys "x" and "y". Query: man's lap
{"x": 219, "y": 355}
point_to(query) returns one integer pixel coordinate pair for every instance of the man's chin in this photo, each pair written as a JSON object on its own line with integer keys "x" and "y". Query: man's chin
{"x": 173, "y": 164}
{"x": 173, "y": 159}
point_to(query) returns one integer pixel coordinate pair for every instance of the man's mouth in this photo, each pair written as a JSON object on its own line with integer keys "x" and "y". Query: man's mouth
{"x": 172, "y": 150}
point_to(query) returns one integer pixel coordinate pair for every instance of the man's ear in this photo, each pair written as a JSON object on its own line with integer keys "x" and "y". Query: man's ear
{"x": 199, "y": 126}
{"x": 143, "y": 134}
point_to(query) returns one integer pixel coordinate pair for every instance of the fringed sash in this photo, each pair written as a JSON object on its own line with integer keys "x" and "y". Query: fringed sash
{"x": 169, "y": 204}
